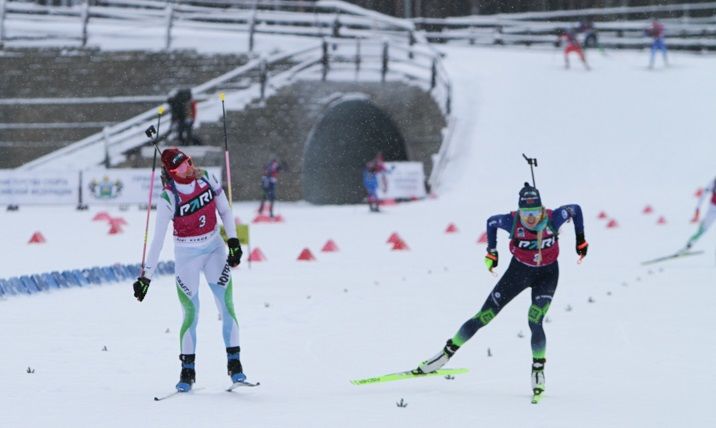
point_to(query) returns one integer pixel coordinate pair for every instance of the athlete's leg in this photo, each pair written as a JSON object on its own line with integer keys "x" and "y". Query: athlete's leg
{"x": 654, "y": 47}
{"x": 705, "y": 224}
{"x": 218, "y": 275}
{"x": 516, "y": 278}
{"x": 187, "y": 267}
{"x": 542, "y": 292}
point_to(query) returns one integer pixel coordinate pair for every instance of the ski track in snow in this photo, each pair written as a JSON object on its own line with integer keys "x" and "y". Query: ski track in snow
{"x": 641, "y": 354}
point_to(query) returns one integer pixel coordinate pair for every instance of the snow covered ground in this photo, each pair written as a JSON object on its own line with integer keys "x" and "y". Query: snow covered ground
{"x": 641, "y": 354}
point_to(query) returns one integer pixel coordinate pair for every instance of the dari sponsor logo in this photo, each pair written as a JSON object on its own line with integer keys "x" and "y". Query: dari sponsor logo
{"x": 532, "y": 244}
{"x": 198, "y": 202}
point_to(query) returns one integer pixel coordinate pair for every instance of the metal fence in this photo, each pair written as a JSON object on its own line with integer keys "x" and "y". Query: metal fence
{"x": 331, "y": 58}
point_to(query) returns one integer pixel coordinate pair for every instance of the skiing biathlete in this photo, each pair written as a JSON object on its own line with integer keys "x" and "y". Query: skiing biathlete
{"x": 710, "y": 216}
{"x": 534, "y": 246}
{"x": 573, "y": 45}
{"x": 190, "y": 199}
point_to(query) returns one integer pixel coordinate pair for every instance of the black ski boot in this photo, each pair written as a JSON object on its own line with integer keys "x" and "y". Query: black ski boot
{"x": 187, "y": 377}
{"x": 234, "y": 364}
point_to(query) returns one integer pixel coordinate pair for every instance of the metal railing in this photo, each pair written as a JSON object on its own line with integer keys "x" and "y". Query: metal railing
{"x": 331, "y": 58}
{"x": 323, "y": 18}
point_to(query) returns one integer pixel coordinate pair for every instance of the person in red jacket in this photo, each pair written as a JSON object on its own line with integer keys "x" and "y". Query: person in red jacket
{"x": 573, "y": 45}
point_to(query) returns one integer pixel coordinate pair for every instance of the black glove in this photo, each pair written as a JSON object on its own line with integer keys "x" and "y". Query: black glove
{"x": 582, "y": 245}
{"x": 235, "y": 252}
{"x": 141, "y": 286}
{"x": 491, "y": 259}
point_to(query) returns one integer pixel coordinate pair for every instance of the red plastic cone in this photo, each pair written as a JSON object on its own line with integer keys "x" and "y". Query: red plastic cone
{"x": 483, "y": 238}
{"x": 699, "y": 192}
{"x": 602, "y": 215}
{"x": 451, "y": 228}
{"x": 115, "y": 229}
{"x": 394, "y": 237}
{"x": 661, "y": 220}
{"x": 101, "y": 216}
{"x": 306, "y": 255}
{"x": 119, "y": 221}
{"x": 612, "y": 224}
{"x": 257, "y": 255}
{"x": 400, "y": 246}
{"x": 36, "y": 238}
{"x": 647, "y": 210}
{"x": 329, "y": 247}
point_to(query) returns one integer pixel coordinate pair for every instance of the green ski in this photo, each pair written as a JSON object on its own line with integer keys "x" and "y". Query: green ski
{"x": 537, "y": 396}
{"x": 407, "y": 375}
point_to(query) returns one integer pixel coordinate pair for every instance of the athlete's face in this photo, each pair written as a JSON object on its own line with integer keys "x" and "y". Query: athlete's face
{"x": 531, "y": 217}
{"x": 184, "y": 169}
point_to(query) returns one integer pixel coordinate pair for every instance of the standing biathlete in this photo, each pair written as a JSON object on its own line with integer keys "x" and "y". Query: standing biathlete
{"x": 190, "y": 199}
{"x": 709, "y": 217}
{"x": 535, "y": 247}
{"x": 656, "y": 32}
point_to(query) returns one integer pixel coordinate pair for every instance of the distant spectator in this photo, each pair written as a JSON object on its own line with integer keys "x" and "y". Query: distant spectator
{"x": 183, "y": 110}
{"x": 573, "y": 45}
{"x": 269, "y": 178}
{"x": 373, "y": 168}
{"x": 656, "y": 32}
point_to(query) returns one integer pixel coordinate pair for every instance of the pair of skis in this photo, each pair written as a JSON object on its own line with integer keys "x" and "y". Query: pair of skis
{"x": 676, "y": 255}
{"x": 414, "y": 374}
{"x": 229, "y": 389}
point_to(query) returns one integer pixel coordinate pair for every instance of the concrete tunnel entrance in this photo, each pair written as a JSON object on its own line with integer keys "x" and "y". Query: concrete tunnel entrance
{"x": 350, "y": 133}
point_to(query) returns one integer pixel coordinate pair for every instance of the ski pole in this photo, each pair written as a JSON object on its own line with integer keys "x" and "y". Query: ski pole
{"x": 226, "y": 149}
{"x": 149, "y": 132}
{"x": 531, "y": 162}
{"x": 228, "y": 164}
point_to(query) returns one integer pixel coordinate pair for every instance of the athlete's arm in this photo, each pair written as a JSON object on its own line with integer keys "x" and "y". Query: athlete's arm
{"x": 165, "y": 213}
{"x": 223, "y": 207}
{"x": 500, "y": 221}
{"x": 564, "y": 213}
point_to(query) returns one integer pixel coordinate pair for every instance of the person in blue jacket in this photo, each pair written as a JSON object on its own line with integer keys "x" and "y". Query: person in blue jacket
{"x": 534, "y": 244}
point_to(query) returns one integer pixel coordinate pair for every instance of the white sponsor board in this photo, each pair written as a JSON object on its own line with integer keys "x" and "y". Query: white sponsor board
{"x": 123, "y": 186}
{"x": 38, "y": 187}
{"x": 402, "y": 180}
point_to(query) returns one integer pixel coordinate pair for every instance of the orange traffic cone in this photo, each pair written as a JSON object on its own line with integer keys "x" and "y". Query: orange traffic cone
{"x": 400, "y": 246}
{"x": 602, "y": 215}
{"x": 661, "y": 220}
{"x": 101, "y": 216}
{"x": 306, "y": 256}
{"x": 393, "y": 238}
{"x": 257, "y": 255}
{"x": 36, "y": 238}
{"x": 451, "y": 228}
{"x": 329, "y": 247}
{"x": 612, "y": 224}
{"x": 647, "y": 210}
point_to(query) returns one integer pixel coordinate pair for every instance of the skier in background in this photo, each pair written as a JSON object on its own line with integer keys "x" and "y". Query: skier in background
{"x": 710, "y": 216}
{"x": 269, "y": 178}
{"x": 656, "y": 32}
{"x": 190, "y": 199}
{"x": 535, "y": 248}
{"x": 573, "y": 45}
{"x": 371, "y": 172}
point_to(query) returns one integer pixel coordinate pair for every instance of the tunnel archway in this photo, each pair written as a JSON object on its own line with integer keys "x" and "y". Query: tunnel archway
{"x": 350, "y": 133}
